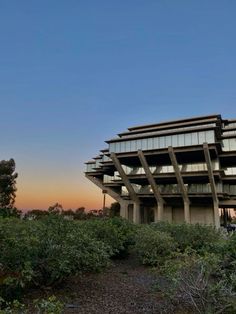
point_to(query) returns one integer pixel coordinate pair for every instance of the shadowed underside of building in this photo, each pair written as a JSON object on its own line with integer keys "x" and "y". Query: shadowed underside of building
{"x": 177, "y": 171}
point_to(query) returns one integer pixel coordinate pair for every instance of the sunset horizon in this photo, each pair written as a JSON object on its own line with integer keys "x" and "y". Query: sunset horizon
{"x": 75, "y": 74}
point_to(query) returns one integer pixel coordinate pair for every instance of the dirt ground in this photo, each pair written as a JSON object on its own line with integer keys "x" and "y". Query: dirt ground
{"x": 125, "y": 287}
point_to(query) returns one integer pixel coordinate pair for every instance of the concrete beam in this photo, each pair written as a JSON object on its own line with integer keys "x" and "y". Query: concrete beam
{"x": 179, "y": 178}
{"x": 186, "y": 212}
{"x": 158, "y": 213}
{"x": 210, "y": 172}
{"x": 123, "y": 203}
{"x": 124, "y": 178}
{"x": 180, "y": 181}
{"x": 212, "y": 184}
{"x": 100, "y": 184}
{"x": 150, "y": 178}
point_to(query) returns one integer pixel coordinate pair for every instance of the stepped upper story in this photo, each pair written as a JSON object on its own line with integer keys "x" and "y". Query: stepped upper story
{"x": 187, "y": 138}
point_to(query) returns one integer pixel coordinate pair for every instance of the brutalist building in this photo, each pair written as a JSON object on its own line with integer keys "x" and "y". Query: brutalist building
{"x": 175, "y": 171}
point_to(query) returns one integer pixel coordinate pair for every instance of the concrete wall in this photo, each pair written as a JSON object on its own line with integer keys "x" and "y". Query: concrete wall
{"x": 198, "y": 214}
{"x": 167, "y": 214}
{"x": 175, "y": 214}
{"x": 203, "y": 215}
{"x": 178, "y": 214}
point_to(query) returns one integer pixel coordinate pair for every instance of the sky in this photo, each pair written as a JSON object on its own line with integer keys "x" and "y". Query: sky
{"x": 75, "y": 73}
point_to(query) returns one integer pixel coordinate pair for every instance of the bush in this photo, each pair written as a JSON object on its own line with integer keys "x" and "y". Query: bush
{"x": 195, "y": 236}
{"x": 116, "y": 233}
{"x": 51, "y": 305}
{"x": 198, "y": 283}
{"x": 44, "y": 252}
{"x": 66, "y": 249}
{"x": 153, "y": 246}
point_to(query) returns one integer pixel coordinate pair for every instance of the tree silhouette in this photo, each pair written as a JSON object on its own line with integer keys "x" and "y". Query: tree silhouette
{"x": 7, "y": 183}
{"x": 55, "y": 209}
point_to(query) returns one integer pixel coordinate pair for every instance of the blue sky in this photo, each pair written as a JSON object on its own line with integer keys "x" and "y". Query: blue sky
{"x": 74, "y": 73}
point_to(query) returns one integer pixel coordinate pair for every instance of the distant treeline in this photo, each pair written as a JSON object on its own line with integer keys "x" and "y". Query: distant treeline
{"x": 78, "y": 214}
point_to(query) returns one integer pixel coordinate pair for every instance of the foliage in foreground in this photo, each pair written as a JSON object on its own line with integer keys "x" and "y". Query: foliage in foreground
{"x": 117, "y": 233}
{"x": 199, "y": 283}
{"x": 46, "y": 251}
{"x": 196, "y": 264}
{"x": 51, "y": 305}
{"x": 153, "y": 247}
{"x": 196, "y": 236}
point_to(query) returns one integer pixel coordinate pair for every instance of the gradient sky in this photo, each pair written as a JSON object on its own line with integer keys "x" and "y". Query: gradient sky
{"x": 73, "y": 73}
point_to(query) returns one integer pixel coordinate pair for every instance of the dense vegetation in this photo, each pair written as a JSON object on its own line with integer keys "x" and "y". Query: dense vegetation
{"x": 196, "y": 263}
{"x": 43, "y": 252}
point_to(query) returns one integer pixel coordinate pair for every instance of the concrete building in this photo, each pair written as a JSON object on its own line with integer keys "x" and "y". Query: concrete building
{"x": 182, "y": 170}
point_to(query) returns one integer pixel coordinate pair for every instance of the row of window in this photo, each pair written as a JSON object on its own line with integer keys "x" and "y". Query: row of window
{"x": 111, "y": 179}
{"x": 229, "y": 144}
{"x": 231, "y": 125}
{"x": 174, "y": 188}
{"x": 230, "y": 189}
{"x": 230, "y": 171}
{"x": 230, "y": 132}
{"x": 90, "y": 167}
{"x": 168, "y": 169}
{"x": 177, "y": 140}
{"x": 164, "y": 169}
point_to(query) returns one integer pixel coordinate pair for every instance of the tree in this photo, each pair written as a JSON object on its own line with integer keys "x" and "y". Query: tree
{"x": 115, "y": 209}
{"x": 35, "y": 214}
{"x": 55, "y": 209}
{"x": 80, "y": 213}
{"x": 7, "y": 183}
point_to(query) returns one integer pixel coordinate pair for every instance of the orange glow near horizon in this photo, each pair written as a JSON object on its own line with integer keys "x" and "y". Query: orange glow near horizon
{"x": 40, "y": 196}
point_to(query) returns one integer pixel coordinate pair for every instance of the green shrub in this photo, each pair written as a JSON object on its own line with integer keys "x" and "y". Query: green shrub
{"x": 14, "y": 307}
{"x": 195, "y": 236}
{"x": 44, "y": 252}
{"x": 66, "y": 249}
{"x": 49, "y": 306}
{"x": 116, "y": 233}
{"x": 153, "y": 246}
{"x": 199, "y": 284}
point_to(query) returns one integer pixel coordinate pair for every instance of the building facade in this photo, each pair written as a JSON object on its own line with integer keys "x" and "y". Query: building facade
{"x": 177, "y": 171}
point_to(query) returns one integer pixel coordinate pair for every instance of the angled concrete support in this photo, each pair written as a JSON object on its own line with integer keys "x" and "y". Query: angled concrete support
{"x": 159, "y": 199}
{"x": 181, "y": 185}
{"x": 124, "y": 178}
{"x": 216, "y": 214}
{"x": 212, "y": 184}
{"x": 186, "y": 212}
{"x": 132, "y": 194}
{"x": 100, "y": 184}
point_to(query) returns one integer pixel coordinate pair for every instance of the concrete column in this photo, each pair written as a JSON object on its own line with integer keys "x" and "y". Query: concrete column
{"x": 136, "y": 213}
{"x": 216, "y": 214}
{"x": 124, "y": 209}
{"x": 160, "y": 209}
{"x": 186, "y": 212}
